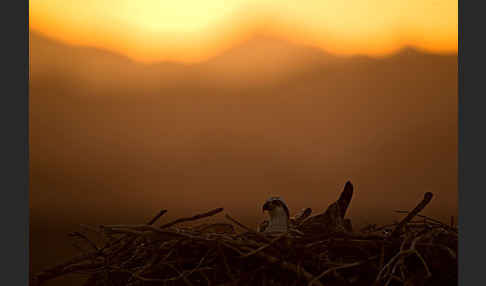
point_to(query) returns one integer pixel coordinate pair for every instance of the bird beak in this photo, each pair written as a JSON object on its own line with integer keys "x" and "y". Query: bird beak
{"x": 267, "y": 207}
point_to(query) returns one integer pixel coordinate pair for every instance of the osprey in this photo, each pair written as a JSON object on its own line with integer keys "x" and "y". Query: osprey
{"x": 332, "y": 220}
{"x": 279, "y": 215}
{"x": 329, "y": 221}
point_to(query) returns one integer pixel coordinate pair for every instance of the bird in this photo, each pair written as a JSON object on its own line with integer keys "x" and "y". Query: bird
{"x": 279, "y": 216}
{"x": 332, "y": 220}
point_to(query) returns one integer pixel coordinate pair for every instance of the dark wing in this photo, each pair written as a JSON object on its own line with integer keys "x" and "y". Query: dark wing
{"x": 345, "y": 199}
{"x": 301, "y": 216}
{"x": 332, "y": 220}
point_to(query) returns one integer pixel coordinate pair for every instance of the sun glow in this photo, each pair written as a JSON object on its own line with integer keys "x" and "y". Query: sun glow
{"x": 194, "y": 30}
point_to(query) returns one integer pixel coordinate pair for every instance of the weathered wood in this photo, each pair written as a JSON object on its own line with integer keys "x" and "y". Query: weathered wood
{"x": 207, "y": 254}
{"x": 426, "y": 200}
{"x": 193, "y": 218}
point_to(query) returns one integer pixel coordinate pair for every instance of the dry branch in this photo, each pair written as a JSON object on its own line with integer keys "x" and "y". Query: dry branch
{"x": 146, "y": 255}
{"x": 196, "y": 217}
{"x": 427, "y": 198}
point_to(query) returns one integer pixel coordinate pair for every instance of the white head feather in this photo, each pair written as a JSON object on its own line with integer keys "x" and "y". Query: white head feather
{"x": 279, "y": 215}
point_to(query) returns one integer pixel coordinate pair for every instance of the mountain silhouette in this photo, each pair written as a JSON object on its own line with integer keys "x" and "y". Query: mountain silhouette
{"x": 264, "y": 115}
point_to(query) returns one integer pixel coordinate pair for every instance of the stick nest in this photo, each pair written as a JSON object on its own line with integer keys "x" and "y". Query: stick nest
{"x": 415, "y": 251}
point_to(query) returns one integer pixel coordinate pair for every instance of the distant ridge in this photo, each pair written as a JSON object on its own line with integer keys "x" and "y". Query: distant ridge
{"x": 259, "y": 60}
{"x": 257, "y": 47}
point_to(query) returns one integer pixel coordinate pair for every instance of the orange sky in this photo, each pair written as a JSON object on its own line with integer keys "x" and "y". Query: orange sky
{"x": 194, "y": 30}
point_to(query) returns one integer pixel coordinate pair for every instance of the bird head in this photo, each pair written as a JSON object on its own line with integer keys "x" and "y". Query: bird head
{"x": 273, "y": 203}
{"x": 279, "y": 215}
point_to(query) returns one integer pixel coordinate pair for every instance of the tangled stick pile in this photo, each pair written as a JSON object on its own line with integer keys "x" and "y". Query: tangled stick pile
{"x": 416, "y": 251}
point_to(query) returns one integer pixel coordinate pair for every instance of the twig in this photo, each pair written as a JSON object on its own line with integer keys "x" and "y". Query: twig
{"x": 430, "y": 219}
{"x": 59, "y": 269}
{"x": 85, "y": 238}
{"x": 426, "y": 200}
{"x": 225, "y": 261}
{"x": 154, "y": 219}
{"x": 354, "y": 264}
{"x": 247, "y": 228}
{"x": 196, "y": 217}
{"x": 150, "y": 222}
{"x": 265, "y": 246}
{"x": 291, "y": 267}
{"x": 391, "y": 261}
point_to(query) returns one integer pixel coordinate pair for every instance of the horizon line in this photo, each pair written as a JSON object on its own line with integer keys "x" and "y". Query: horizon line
{"x": 236, "y": 44}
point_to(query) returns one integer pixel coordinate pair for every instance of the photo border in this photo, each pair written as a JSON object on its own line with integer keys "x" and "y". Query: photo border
{"x": 14, "y": 212}
{"x": 15, "y": 144}
{"x": 471, "y": 143}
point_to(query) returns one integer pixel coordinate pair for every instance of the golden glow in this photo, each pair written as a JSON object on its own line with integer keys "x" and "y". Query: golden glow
{"x": 194, "y": 30}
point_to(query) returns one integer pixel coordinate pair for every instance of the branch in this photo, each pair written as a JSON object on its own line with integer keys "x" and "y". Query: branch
{"x": 427, "y": 197}
{"x": 354, "y": 264}
{"x": 196, "y": 217}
